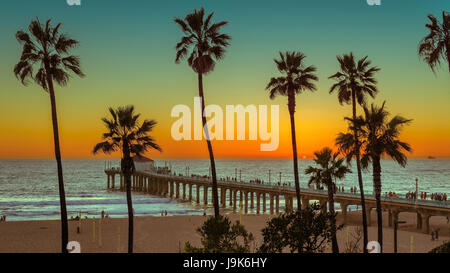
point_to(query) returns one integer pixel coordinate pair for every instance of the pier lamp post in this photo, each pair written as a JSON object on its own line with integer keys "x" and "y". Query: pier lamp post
{"x": 235, "y": 174}
{"x": 280, "y": 178}
{"x": 269, "y": 176}
{"x": 395, "y": 233}
{"x": 240, "y": 175}
{"x": 417, "y": 190}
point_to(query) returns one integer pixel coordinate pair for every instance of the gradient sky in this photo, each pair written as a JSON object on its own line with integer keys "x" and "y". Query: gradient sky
{"x": 127, "y": 53}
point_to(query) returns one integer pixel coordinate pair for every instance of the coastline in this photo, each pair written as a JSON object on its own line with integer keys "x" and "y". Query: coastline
{"x": 158, "y": 235}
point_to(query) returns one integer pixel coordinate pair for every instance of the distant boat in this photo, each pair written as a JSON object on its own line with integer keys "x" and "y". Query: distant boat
{"x": 431, "y": 157}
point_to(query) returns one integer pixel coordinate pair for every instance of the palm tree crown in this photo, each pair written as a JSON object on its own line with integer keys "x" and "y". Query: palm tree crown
{"x": 202, "y": 42}
{"x": 125, "y": 132}
{"x": 378, "y": 136}
{"x": 297, "y": 77}
{"x": 356, "y": 77}
{"x": 331, "y": 167}
{"x": 48, "y": 51}
{"x": 436, "y": 45}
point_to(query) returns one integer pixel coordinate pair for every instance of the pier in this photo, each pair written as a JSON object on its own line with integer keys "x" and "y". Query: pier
{"x": 256, "y": 196}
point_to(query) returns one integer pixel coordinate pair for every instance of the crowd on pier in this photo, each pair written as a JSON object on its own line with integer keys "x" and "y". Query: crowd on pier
{"x": 423, "y": 196}
{"x": 338, "y": 188}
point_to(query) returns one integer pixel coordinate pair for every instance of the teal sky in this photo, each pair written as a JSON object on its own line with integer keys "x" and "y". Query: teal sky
{"x": 127, "y": 53}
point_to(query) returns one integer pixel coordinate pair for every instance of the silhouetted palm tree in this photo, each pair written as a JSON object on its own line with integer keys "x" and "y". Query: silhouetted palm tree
{"x": 125, "y": 134}
{"x": 47, "y": 51}
{"x": 378, "y": 137}
{"x": 205, "y": 45}
{"x": 297, "y": 77}
{"x": 436, "y": 45}
{"x": 331, "y": 167}
{"x": 354, "y": 82}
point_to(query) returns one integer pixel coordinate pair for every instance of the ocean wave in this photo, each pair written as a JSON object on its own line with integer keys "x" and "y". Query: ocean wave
{"x": 81, "y": 202}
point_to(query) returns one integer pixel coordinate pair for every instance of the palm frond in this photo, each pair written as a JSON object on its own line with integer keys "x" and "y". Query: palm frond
{"x": 48, "y": 52}
{"x": 203, "y": 43}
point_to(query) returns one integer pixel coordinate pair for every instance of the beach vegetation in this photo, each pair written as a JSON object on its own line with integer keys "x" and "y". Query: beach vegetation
{"x": 378, "y": 136}
{"x": 219, "y": 235}
{"x": 307, "y": 231}
{"x": 354, "y": 82}
{"x": 203, "y": 45}
{"x": 330, "y": 168}
{"x": 444, "y": 248}
{"x": 435, "y": 47}
{"x": 296, "y": 78}
{"x": 125, "y": 133}
{"x": 46, "y": 60}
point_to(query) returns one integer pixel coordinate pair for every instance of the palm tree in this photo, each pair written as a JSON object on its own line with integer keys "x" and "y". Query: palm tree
{"x": 48, "y": 51}
{"x": 378, "y": 137}
{"x": 354, "y": 82}
{"x": 125, "y": 134}
{"x": 331, "y": 167}
{"x": 297, "y": 77}
{"x": 436, "y": 45}
{"x": 205, "y": 45}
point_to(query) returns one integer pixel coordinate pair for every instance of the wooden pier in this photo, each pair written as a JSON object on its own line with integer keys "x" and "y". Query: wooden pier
{"x": 255, "y": 196}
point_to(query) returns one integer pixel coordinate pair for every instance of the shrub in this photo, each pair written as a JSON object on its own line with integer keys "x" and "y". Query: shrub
{"x": 444, "y": 248}
{"x": 307, "y": 231}
{"x": 219, "y": 236}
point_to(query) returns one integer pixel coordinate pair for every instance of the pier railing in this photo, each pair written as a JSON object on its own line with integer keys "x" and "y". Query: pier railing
{"x": 169, "y": 185}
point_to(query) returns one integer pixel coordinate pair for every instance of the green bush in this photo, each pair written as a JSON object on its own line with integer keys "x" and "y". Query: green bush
{"x": 444, "y": 248}
{"x": 307, "y": 231}
{"x": 219, "y": 236}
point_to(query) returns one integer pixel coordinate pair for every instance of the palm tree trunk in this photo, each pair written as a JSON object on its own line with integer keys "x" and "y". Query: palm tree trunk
{"x": 360, "y": 181}
{"x": 62, "y": 194}
{"x": 291, "y": 106}
{"x": 215, "y": 197}
{"x": 126, "y": 167}
{"x": 130, "y": 213}
{"x": 448, "y": 55}
{"x": 334, "y": 243}
{"x": 377, "y": 186}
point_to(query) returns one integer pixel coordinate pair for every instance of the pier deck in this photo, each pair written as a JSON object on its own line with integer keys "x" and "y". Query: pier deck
{"x": 250, "y": 194}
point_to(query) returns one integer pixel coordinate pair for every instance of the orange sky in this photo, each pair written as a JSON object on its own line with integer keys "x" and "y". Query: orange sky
{"x": 139, "y": 69}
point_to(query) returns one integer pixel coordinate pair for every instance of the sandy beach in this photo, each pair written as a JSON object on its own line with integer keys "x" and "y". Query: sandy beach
{"x": 168, "y": 234}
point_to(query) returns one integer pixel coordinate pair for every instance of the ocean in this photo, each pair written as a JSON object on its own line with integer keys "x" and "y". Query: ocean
{"x": 29, "y": 188}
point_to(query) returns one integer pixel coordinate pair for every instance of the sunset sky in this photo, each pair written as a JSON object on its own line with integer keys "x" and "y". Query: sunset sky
{"x": 127, "y": 53}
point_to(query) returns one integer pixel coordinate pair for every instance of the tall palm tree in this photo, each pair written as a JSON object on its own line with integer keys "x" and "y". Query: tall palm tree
{"x": 205, "y": 45}
{"x": 47, "y": 52}
{"x": 127, "y": 135}
{"x": 354, "y": 82}
{"x": 436, "y": 45}
{"x": 297, "y": 78}
{"x": 378, "y": 137}
{"x": 331, "y": 167}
